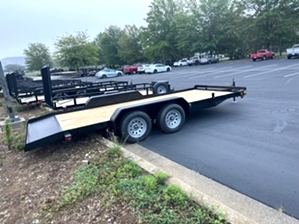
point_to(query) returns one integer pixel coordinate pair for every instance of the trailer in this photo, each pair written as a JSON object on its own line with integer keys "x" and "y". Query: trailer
{"x": 129, "y": 115}
{"x": 68, "y": 93}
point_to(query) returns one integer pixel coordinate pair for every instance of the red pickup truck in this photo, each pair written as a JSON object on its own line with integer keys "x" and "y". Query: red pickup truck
{"x": 262, "y": 54}
{"x": 132, "y": 69}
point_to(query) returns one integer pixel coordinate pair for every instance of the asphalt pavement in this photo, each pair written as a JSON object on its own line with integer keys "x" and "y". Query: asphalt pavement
{"x": 251, "y": 146}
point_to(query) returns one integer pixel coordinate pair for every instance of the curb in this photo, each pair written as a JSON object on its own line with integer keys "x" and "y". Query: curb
{"x": 237, "y": 208}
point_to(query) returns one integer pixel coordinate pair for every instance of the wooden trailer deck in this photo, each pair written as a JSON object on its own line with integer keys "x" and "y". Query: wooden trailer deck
{"x": 82, "y": 118}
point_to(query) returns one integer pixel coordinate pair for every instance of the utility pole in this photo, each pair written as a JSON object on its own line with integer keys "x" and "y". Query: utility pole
{"x": 6, "y": 96}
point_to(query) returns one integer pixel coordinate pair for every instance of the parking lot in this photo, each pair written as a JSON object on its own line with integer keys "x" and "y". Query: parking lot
{"x": 250, "y": 146}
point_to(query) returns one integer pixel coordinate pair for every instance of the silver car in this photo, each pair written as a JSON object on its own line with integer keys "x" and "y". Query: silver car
{"x": 208, "y": 59}
{"x": 108, "y": 73}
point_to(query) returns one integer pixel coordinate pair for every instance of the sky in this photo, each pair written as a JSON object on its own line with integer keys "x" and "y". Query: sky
{"x": 43, "y": 21}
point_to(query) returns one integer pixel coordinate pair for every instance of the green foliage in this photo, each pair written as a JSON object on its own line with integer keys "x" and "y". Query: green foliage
{"x": 13, "y": 141}
{"x": 8, "y": 135}
{"x": 161, "y": 177}
{"x": 175, "y": 195}
{"x": 84, "y": 181}
{"x": 117, "y": 180}
{"x": 107, "y": 44}
{"x": 131, "y": 169}
{"x": 130, "y": 47}
{"x": 150, "y": 182}
{"x": 37, "y": 56}
{"x": 160, "y": 42}
{"x": 114, "y": 152}
{"x": 75, "y": 51}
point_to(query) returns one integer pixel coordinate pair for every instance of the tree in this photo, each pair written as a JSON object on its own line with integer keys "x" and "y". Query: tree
{"x": 13, "y": 67}
{"x": 37, "y": 56}
{"x": 273, "y": 24}
{"x": 130, "y": 48}
{"x": 107, "y": 43}
{"x": 75, "y": 51}
{"x": 160, "y": 35}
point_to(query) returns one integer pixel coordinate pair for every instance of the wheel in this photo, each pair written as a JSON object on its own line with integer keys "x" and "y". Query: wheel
{"x": 135, "y": 126}
{"x": 168, "y": 69}
{"x": 171, "y": 118}
{"x": 289, "y": 56}
{"x": 155, "y": 71}
{"x": 209, "y": 62}
{"x": 160, "y": 88}
{"x": 272, "y": 56}
{"x": 134, "y": 72}
{"x": 264, "y": 58}
{"x": 104, "y": 76}
{"x": 253, "y": 59}
{"x": 61, "y": 96}
{"x": 119, "y": 74}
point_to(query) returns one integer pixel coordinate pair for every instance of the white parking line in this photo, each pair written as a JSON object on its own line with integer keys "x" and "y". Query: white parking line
{"x": 178, "y": 76}
{"x": 220, "y": 71}
{"x": 261, "y": 73}
{"x": 238, "y": 72}
{"x": 297, "y": 73}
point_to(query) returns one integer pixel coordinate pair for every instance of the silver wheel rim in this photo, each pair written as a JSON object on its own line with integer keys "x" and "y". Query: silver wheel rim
{"x": 137, "y": 127}
{"x": 161, "y": 89}
{"x": 173, "y": 118}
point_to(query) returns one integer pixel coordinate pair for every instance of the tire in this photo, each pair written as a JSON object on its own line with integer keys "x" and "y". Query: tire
{"x": 171, "y": 118}
{"x": 134, "y": 72}
{"x": 209, "y": 62}
{"x": 168, "y": 69}
{"x": 196, "y": 63}
{"x": 253, "y": 59}
{"x": 160, "y": 88}
{"x": 264, "y": 58}
{"x": 135, "y": 126}
{"x": 104, "y": 76}
{"x": 272, "y": 57}
{"x": 289, "y": 56}
{"x": 155, "y": 71}
{"x": 118, "y": 74}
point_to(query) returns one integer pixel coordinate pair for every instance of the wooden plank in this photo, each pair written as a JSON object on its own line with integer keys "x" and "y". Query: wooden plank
{"x": 82, "y": 118}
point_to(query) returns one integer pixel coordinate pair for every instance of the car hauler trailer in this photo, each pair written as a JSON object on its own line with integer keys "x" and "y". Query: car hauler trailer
{"x": 130, "y": 115}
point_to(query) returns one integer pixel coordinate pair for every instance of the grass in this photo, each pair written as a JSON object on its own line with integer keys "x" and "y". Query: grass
{"x": 14, "y": 139}
{"x": 30, "y": 74}
{"x": 116, "y": 179}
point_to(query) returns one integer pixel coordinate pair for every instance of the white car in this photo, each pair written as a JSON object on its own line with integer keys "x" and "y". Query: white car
{"x": 141, "y": 68}
{"x": 182, "y": 62}
{"x": 155, "y": 68}
{"x": 107, "y": 73}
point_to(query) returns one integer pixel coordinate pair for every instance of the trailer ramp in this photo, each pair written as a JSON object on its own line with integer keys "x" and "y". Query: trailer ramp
{"x": 42, "y": 131}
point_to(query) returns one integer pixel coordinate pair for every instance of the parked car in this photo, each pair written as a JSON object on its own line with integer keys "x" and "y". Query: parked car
{"x": 132, "y": 69}
{"x": 293, "y": 52}
{"x": 141, "y": 68}
{"x": 208, "y": 59}
{"x": 155, "y": 68}
{"x": 182, "y": 62}
{"x": 168, "y": 62}
{"x": 194, "y": 60}
{"x": 107, "y": 73}
{"x": 262, "y": 54}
